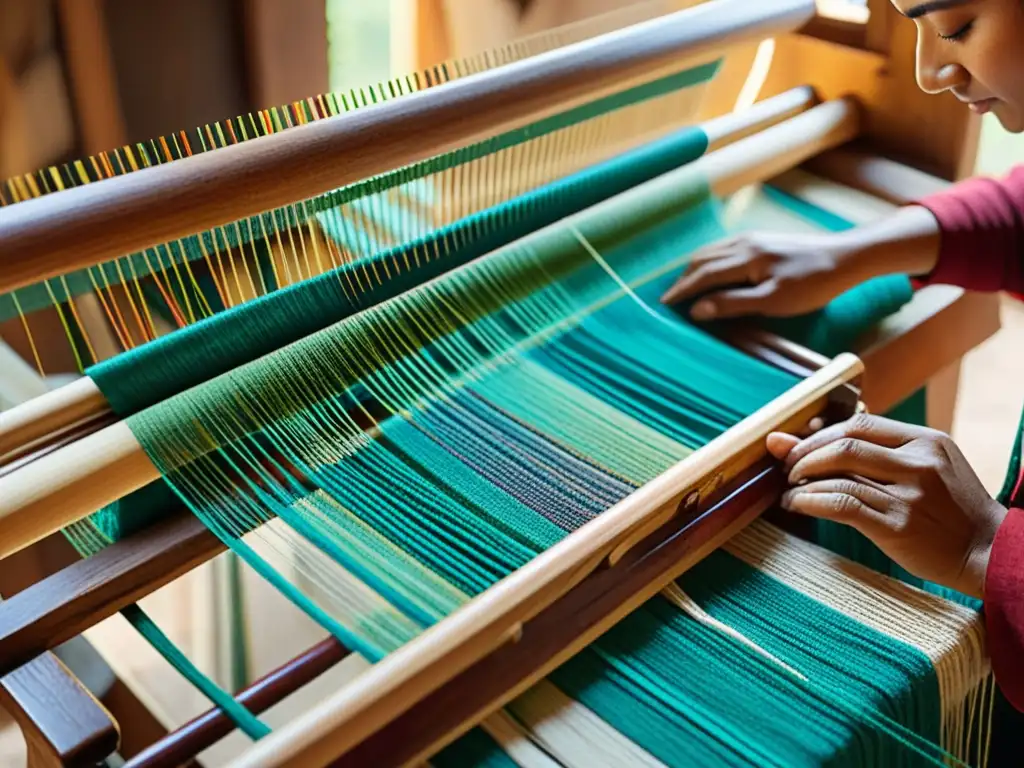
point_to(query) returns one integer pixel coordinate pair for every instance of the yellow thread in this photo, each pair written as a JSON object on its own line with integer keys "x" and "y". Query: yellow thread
{"x": 81, "y": 325}
{"x": 28, "y": 333}
{"x": 67, "y": 328}
{"x": 107, "y": 310}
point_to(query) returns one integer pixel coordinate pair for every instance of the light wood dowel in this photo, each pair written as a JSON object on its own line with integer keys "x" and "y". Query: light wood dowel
{"x": 69, "y": 484}
{"x": 55, "y": 234}
{"x": 45, "y": 419}
{"x": 730, "y": 128}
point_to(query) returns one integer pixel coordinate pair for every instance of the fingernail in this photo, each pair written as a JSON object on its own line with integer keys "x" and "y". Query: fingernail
{"x": 703, "y": 310}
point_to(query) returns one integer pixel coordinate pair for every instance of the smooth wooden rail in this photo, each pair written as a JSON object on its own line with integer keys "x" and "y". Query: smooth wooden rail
{"x": 73, "y": 411}
{"x": 213, "y": 725}
{"x": 83, "y": 594}
{"x": 55, "y": 234}
{"x": 552, "y": 637}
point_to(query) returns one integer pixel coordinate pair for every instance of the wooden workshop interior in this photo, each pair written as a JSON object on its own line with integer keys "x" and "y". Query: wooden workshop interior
{"x": 816, "y": 100}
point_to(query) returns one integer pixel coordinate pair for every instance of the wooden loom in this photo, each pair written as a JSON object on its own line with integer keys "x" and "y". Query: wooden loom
{"x": 518, "y": 633}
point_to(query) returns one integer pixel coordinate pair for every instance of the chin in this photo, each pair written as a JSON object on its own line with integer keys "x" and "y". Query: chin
{"x": 1011, "y": 119}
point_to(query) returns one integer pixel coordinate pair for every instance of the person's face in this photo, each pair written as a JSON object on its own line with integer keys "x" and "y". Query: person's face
{"x": 975, "y": 49}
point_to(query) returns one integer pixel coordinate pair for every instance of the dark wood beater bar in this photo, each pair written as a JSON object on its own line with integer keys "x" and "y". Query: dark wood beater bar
{"x": 206, "y": 730}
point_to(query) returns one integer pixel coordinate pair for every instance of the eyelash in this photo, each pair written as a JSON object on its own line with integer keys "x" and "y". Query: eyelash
{"x": 960, "y": 34}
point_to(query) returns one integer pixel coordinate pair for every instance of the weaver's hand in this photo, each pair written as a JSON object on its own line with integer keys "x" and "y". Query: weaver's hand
{"x": 908, "y": 489}
{"x": 765, "y": 274}
{"x": 779, "y": 274}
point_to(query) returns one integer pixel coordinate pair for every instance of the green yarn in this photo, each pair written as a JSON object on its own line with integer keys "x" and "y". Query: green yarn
{"x": 476, "y": 749}
{"x": 478, "y": 468}
{"x": 642, "y": 678}
{"x": 838, "y": 326}
{"x": 464, "y": 368}
{"x": 245, "y": 720}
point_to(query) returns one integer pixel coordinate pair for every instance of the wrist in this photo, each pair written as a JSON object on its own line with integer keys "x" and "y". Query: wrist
{"x": 977, "y": 563}
{"x": 905, "y": 243}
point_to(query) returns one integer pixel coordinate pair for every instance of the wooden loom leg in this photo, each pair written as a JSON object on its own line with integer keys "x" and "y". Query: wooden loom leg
{"x": 62, "y": 723}
{"x": 943, "y": 389}
{"x": 52, "y": 735}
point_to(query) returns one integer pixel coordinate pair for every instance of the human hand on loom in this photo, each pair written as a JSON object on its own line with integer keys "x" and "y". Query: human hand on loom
{"x": 767, "y": 274}
{"x": 907, "y": 488}
{"x": 779, "y": 274}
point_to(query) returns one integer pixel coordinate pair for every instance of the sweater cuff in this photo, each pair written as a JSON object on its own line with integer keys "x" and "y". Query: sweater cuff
{"x": 978, "y": 226}
{"x": 1004, "y": 607}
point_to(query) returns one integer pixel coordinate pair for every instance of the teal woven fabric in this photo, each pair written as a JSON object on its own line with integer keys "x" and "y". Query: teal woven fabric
{"x": 459, "y": 493}
{"x": 456, "y": 492}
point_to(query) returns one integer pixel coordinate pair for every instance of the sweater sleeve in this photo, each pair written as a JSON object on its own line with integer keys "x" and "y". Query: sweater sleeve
{"x": 1004, "y": 607}
{"x": 981, "y": 222}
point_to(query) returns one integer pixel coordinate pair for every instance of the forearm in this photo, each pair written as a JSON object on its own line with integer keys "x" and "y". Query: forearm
{"x": 970, "y": 235}
{"x": 907, "y": 242}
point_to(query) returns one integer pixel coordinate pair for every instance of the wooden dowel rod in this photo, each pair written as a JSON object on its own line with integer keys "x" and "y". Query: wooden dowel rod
{"x": 43, "y": 419}
{"x": 55, "y": 234}
{"x": 206, "y": 730}
{"x": 728, "y": 129}
{"x": 32, "y": 426}
{"x": 490, "y": 620}
{"x": 780, "y": 148}
{"x": 69, "y": 484}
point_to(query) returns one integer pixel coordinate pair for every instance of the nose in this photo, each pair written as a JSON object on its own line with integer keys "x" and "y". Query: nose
{"x": 936, "y": 72}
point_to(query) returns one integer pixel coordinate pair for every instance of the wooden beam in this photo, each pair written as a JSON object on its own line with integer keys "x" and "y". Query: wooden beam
{"x": 84, "y": 593}
{"x": 63, "y": 724}
{"x": 55, "y": 234}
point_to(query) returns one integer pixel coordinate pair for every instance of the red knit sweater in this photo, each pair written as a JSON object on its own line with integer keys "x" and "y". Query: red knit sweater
{"x": 982, "y": 248}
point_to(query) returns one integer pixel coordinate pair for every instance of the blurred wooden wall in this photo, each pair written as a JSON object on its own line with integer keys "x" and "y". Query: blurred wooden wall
{"x": 84, "y": 76}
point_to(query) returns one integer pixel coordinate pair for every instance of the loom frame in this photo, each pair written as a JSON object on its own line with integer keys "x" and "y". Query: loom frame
{"x": 950, "y": 323}
{"x": 893, "y": 343}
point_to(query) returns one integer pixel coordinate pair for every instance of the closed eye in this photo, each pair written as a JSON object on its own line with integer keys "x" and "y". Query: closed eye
{"x": 960, "y": 34}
